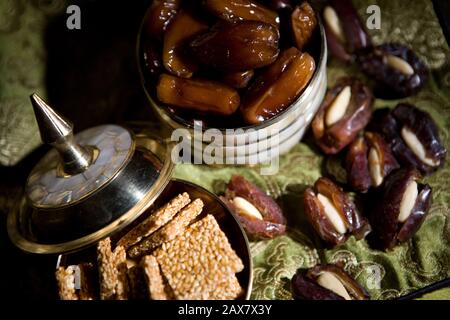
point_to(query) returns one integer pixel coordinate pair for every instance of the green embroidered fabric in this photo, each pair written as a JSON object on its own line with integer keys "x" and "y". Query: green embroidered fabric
{"x": 420, "y": 262}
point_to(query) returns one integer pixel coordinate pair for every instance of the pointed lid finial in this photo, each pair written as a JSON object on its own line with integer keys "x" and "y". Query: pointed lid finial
{"x": 52, "y": 126}
{"x": 58, "y": 132}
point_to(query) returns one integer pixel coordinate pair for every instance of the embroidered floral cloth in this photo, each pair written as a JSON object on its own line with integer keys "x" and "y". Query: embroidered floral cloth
{"x": 26, "y": 66}
{"x": 414, "y": 265}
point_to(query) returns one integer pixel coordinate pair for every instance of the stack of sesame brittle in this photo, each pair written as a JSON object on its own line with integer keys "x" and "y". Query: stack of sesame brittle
{"x": 170, "y": 255}
{"x": 200, "y": 263}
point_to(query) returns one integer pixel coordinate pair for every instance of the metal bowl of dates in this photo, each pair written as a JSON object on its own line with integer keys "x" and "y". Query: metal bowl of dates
{"x": 254, "y": 73}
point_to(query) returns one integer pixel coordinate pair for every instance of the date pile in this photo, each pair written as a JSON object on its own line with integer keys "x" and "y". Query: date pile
{"x": 384, "y": 165}
{"x": 234, "y": 59}
{"x": 385, "y": 155}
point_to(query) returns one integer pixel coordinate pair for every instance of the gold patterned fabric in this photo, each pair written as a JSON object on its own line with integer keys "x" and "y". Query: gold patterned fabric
{"x": 24, "y": 68}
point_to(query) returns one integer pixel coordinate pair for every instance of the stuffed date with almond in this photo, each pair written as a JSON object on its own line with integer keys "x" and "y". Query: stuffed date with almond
{"x": 413, "y": 137}
{"x": 397, "y": 70}
{"x": 368, "y": 162}
{"x": 332, "y": 214}
{"x": 326, "y": 282}
{"x": 401, "y": 207}
{"x": 258, "y": 213}
{"x": 346, "y": 35}
{"x": 344, "y": 112}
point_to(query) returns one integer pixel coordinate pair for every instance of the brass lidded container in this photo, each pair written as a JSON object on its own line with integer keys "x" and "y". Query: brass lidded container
{"x": 99, "y": 183}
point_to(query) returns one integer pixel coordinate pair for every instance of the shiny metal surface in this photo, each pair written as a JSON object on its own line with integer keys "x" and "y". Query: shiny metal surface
{"x": 99, "y": 209}
{"x": 105, "y": 210}
{"x": 48, "y": 187}
{"x": 58, "y": 132}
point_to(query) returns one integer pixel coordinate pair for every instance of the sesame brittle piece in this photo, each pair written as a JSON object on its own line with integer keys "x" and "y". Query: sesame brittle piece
{"x": 168, "y": 232}
{"x": 155, "y": 221}
{"x": 200, "y": 262}
{"x": 112, "y": 269}
{"x": 229, "y": 290}
{"x": 155, "y": 282}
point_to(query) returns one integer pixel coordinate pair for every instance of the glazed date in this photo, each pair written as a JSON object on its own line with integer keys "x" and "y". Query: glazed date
{"x": 159, "y": 15}
{"x": 239, "y": 10}
{"x": 345, "y": 32}
{"x": 345, "y": 111}
{"x": 277, "y": 5}
{"x": 369, "y": 160}
{"x": 241, "y": 46}
{"x": 238, "y": 79}
{"x": 402, "y": 207}
{"x": 259, "y": 214}
{"x": 303, "y": 22}
{"x": 326, "y": 282}
{"x": 396, "y": 69}
{"x": 278, "y": 86}
{"x": 152, "y": 59}
{"x": 332, "y": 214}
{"x": 413, "y": 137}
{"x": 181, "y": 29}
{"x": 197, "y": 95}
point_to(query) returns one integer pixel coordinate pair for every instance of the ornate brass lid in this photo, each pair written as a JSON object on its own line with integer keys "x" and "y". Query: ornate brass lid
{"x": 88, "y": 186}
